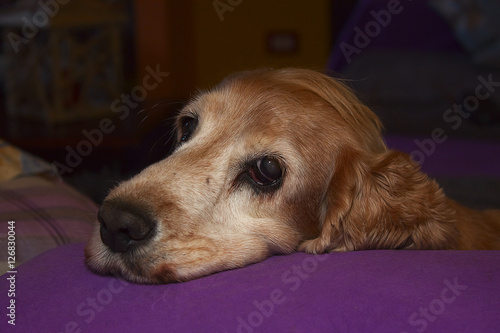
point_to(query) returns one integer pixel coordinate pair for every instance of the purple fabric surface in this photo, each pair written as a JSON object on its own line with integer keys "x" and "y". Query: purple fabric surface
{"x": 453, "y": 157}
{"x": 372, "y": 291}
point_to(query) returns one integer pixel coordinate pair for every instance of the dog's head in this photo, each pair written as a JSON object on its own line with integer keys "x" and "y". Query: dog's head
{"x": 267, "y": 162}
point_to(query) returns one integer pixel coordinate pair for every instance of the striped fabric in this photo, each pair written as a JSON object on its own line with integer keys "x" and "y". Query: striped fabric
{"x": 47, "y": 213}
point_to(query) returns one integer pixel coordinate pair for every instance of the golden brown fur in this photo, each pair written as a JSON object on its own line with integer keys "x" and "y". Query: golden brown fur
{"x": 341, "y": 189}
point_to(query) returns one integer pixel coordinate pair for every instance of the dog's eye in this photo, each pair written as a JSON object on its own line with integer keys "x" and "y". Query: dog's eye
{"x": 188, "y": 125}
{"x": 266, "y": 171}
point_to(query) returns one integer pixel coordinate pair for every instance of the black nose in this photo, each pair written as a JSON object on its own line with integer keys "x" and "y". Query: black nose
{"x": 124, "y": 226}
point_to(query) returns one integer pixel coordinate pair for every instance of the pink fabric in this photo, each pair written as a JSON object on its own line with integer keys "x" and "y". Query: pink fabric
{"x": 47, "y": 213}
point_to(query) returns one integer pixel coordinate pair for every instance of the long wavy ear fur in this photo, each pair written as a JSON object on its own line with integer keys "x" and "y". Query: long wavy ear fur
{"x": 383, "y": 202}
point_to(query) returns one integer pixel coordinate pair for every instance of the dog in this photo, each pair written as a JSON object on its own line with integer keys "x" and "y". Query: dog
{"x": 271, "y": 162}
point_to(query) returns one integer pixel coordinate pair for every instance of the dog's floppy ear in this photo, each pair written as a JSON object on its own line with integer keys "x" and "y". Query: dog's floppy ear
{"x": 383, "y": 202}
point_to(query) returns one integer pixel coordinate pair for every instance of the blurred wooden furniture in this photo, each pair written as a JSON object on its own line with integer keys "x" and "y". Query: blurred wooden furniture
{"x": 199, "y": 42}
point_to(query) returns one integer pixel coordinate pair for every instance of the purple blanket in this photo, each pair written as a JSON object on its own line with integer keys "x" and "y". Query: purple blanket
{"x": 366, "y": 291}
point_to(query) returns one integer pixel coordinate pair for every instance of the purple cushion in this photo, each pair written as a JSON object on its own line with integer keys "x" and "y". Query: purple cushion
{"x": 366, "y": 291}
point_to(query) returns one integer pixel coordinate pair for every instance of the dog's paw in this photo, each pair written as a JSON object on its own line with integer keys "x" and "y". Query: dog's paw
{"x": 314, "y": 246}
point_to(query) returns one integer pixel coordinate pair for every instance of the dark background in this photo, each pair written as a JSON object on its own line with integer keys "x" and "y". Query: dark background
{"x": 410, "y": 71}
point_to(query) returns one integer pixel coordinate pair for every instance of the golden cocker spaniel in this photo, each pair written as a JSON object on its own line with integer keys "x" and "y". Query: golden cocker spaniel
{"x": 269, "y": 162}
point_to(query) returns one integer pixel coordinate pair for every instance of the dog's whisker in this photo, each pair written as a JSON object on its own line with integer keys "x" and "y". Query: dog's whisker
{"x": 143, "y": 119}
{"x": 170, "y": 135}
{"x": 157, "y": 106}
